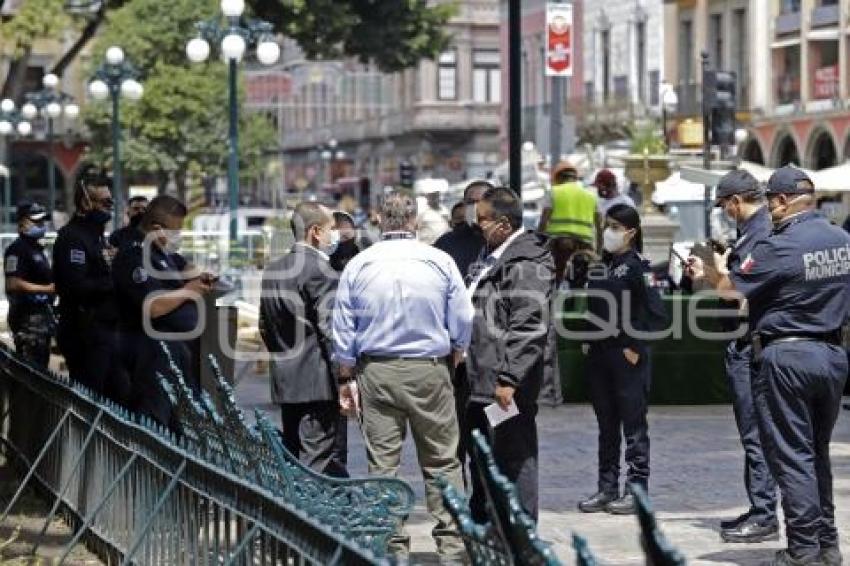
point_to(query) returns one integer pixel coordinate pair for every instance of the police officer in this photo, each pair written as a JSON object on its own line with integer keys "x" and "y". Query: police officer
{"x": 87, "y": 314}
{"x": 29, "y": 287}
{"x": 617, "y": 365}
{"x": 135, "y": 209}
{"x": 741, "y": 198}
{"x": 157, "y": 303}
{"x": 797, "y": 282}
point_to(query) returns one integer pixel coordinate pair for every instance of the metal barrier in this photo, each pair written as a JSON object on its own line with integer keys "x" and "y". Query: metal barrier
{"x": 510, "y": 536}
{"x": 218, "y": 493}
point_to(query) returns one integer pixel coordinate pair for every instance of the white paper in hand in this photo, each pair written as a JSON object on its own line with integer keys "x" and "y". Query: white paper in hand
{"x": 496, "y": 415}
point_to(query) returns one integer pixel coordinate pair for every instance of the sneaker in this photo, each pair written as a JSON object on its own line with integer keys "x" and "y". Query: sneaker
{"x": 784, "y": 558}
{"x": 727, "y": 524}
{"x": 626, "y": 505}
{"x": 597, "y": 503}
{"x": 751, "y": 531}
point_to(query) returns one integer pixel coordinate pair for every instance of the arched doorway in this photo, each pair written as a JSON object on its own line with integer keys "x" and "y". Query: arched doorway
{"x": 752, "y": 152}
{"x": 785, "y": 152}
{"x": 822, "y": 153}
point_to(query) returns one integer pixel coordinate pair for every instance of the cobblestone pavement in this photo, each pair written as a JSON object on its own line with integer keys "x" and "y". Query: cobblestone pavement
{"x": 697, "y": 479}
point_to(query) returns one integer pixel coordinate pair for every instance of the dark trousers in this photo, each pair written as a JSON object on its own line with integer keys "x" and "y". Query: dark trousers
{"x": 32, "y": 332}
{"x": 460, "y": 382}
{"x": 311, "y": 432}
{"x": 798, "y": 395}
{"x": 514, "y": 444}
{"x": 759, "y": 483}
{"x": 619, "y": 393}
{"x": 92, "y": 354}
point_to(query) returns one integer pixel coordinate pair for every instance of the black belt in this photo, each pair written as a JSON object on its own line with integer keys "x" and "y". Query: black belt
{"x": 833, "y": 338}
{"x": 366, "y": 358}
{"x": 744, "y": 341}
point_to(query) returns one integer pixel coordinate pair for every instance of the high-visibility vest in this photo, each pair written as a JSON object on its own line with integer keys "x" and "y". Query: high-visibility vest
{"x": 573, "y": 212}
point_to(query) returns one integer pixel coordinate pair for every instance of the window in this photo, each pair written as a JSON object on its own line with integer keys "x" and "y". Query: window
{"x": 654, "y": 86}
{"x": 606, "y": 64}
{"x": 621, "y": 86}
{"x": 790, "y": 6}
{"x": 686, "y": 52}
{"x": 640, "y": 32}
{"x": 739, "y": 51}
{"x": 588, "y": 91}
{"x": 486, "y": 76}
{"x": 447, "y": 77}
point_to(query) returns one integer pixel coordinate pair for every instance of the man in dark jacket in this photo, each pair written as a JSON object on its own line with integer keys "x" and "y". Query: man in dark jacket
{"x": 136, "y": 207}
{"x": 505, "y": 363}
{"x": 88, "y": 315}
{"x": 464, "y": 242}
{"x": 295, "y": 309}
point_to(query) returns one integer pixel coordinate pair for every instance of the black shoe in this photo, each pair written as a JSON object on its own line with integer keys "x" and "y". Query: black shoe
{"x": 624, "y": 506}
{"x": 727, "y": 524}
{"x": 751, "y": 531}
{"x": 784, "y": 558}
{"x": 596, "y": 503}
{"x": 831, "y": 556}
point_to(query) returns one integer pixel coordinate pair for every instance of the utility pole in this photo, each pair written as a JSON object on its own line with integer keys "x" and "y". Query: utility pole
{"x": 515, "y": 95}
{"x": 706, "y": 144}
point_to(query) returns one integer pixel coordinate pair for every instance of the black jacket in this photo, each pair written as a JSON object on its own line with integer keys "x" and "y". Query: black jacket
{"x": 464, "y": 244}
{"x": 83, "y": 277}
{"x": 512, "y": 307}
{"x": 295, "y": 316}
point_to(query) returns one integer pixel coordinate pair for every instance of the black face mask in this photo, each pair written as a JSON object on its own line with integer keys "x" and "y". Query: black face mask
{"x": 136, "y": 220}
{"x": 98, "y": 216}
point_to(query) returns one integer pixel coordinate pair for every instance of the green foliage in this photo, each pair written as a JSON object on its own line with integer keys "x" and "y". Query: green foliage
{"x": 394, "y": 35}
{"x": 35, "y": 19}
{"x": 180, "y": 124}
{"x": 646, "y": 138}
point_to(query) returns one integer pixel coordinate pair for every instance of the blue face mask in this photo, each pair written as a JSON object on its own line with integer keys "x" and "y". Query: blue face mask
{"x": 35, "y": 232}
{"x": 99, "y": 216}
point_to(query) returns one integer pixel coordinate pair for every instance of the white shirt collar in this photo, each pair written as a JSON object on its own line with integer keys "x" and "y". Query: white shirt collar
{"x": 497, "y": 253}
{"x": 309, "y": 247}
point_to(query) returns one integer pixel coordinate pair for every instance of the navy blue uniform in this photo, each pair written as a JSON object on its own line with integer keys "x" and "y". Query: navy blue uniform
{"x": 30, "y": 315}
{"x": 619, "y": 390}
{"x": 141, "y": 352}
{"x": 759, "y": 483}
{"x": 87, "y": 334}
{"x": 798, "y": 285}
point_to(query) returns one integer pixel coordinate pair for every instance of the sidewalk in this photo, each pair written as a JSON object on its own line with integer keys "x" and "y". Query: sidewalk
{"x": 697, "y": 479}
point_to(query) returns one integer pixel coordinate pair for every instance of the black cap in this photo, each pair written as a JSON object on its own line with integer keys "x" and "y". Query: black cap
{"x": 789, "y": 180}
{"x": 736, "y": 182}
{"x": 31, "y": 210}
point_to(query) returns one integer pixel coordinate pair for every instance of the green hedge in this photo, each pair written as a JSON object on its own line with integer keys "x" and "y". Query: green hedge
{"x": 685, "y": 371}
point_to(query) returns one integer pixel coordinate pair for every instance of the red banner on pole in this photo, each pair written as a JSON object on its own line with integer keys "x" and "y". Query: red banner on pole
{"x": 559, "y": 40}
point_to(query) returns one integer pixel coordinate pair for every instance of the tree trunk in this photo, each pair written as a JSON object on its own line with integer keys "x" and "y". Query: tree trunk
{"x": 14, "y": 86}
{"x": 87, "y": 34}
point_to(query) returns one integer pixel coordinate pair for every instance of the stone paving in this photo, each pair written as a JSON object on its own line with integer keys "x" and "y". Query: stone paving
{"x": 697, "y": 479}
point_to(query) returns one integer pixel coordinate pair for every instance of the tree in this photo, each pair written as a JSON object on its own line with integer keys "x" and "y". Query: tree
{"x": 394, "y": 34}
{"x": 180, "y": 124}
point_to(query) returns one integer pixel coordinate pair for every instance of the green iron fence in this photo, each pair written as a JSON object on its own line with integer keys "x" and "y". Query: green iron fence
{"x": 217, "y": 493}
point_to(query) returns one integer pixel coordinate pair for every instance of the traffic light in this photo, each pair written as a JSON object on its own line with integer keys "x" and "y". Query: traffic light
{"x": 405, "y": 174}
{"x": 719, "y": 90}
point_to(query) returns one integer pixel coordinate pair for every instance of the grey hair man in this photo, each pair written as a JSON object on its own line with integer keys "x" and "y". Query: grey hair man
{"x": 401, "y": 312}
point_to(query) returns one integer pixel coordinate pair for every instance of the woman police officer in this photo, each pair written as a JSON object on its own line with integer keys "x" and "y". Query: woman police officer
{"x": 617, "y": 363}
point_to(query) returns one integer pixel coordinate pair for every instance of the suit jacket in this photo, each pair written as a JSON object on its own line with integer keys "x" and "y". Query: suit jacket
{"x": 295, "y": 318}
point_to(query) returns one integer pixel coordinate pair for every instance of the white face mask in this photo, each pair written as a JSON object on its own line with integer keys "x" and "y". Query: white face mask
{"x": 613, "y": 240}
{"x": 472, "y": 213}
{"x": 331, "y": 246}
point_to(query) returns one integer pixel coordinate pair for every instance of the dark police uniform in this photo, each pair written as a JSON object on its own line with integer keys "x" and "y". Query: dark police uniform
{"x": 797, "y": 282}
{"x": 141, "y": 353}
{"x": 87, "y": 314}
{"x": 758, "y": 481}
{"x": 619, "y": 390}
{"x": 30, "y": 316}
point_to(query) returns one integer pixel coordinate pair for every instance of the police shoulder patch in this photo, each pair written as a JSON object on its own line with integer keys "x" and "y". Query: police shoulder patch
{"x": 11, "y": 264}
{"x": 140, "y": 275}
{"x": 78, "y": 257}
{"x": 621, "y": 270}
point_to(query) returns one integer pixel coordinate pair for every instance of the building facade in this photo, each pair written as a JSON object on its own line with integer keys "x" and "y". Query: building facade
{"x": 622, "y": 46}
{"x": 343, "y": 119}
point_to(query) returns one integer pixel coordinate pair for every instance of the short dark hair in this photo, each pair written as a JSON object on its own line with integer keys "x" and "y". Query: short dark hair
{"x": 305, "y": 216}
{"x": 137, "y": 198}
{"x": 457, "y": 205}
{"x": 484, "y": 183}
{"x": 161, "y": 209}
{"x": 90, "y": 177}
{"x": 505, "y": 202}
{"x": 340, "y": 216}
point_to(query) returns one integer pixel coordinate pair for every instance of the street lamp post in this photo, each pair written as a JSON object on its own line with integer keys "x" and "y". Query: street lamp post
{"x": 669, "y": 102}
{"x": 235, "y": 36}
{"x": 11, "y": 122}
{"x": 115, "y": 78}
{"x": 51, "y": 104}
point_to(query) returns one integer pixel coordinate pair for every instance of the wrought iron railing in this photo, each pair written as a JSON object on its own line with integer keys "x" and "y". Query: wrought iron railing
{"x": 215, "y": 493}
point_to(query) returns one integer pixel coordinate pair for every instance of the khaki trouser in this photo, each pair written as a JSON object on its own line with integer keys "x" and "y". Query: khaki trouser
{"x": 394, "y": 393}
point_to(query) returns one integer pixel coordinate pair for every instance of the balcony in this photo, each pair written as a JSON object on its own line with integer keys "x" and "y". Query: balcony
{"x": 825, "y": 15}
{"x": 787, "y": 23}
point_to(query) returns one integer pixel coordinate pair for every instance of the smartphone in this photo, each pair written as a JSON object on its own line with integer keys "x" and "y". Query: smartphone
{"x": 682, "y": 260}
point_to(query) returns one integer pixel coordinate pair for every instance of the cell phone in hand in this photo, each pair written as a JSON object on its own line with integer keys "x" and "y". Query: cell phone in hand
{"x": 682, "y": 260}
